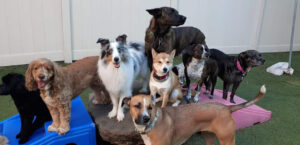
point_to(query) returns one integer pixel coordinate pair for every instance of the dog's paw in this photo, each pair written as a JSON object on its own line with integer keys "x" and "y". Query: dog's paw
{"x": 62, "y": 131}
{"x": 232, "y": 101}
{"x": 23, "y": 140}
{"x": 211, "y": 96}
{"x": 51, "y": 128}
{"x": 206, "y": 92}
{"x": 196, "y": 99}
{"x": 112, "y": 114}
{"x": 120, "y": 116}
{"x": 95, "y": 101}
{"x": 18, "y": 135}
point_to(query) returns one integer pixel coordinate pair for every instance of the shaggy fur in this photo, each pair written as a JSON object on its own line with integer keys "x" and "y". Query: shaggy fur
{"x": 59, "y": 85}
{"x": 29, "y": 104}
{"x": 119, "y": 65}
{"x": 3, "y": 140}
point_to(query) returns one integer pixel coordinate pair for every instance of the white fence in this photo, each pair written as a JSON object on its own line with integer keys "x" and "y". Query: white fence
{"x": 68, "y": 29}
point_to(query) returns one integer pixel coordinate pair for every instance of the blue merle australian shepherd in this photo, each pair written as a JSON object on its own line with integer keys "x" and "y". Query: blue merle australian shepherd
{"x": 118, "y": 66}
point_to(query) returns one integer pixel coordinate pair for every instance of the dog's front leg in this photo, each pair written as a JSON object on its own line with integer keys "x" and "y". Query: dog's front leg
{"x": 120, "y": 115}
{"x": 113, "y": 112}
{"x": 234, "y": 88}
{"x": 26, "y": 129}
{"x": 65, "y": 117}
{"x": 55, "y": 117}
{"x": 165, "y": 99}
{"x": 225, "y": 90}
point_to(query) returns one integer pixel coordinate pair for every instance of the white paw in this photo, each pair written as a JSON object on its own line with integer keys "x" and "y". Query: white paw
{"x": 120, "y": 116}
{"x": 206, "y": 92}
{"x": 95, "y": 101}
{"x": 189, "y": 96}
{"x": 196, "y": 98}
{"x": 176, "y": 103}
{"x": 52, "y": 129}
{"x": 112, "y": 114}
{"x": 62, "y": 131}
{"x": 211, "y": 96}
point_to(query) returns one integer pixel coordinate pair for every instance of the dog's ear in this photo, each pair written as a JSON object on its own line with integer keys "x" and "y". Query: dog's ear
{"x": 30, "y": 83}
{"x": 243, "y": 56}
{"x": 156, "y": 12}
{"x": 172, "y": 53}
{"x": 154, "y": 53}
{"x": 126, "y": 101}
{"x": 103, "y": 42}
{"x": 122, "y": 38}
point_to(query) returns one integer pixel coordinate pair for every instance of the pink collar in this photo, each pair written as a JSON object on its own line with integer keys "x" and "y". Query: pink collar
{"x": 238, "y": 64}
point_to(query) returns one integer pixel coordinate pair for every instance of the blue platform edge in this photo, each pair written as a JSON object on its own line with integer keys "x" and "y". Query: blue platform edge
{"x": 82, "y": 130}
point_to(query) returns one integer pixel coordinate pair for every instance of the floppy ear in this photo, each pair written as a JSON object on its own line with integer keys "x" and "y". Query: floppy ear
{"x": 103, "y": 42}
{"x": 156, "y": 12}
{"x": 30, "y": 83}
{"x": 154, "y": 53}
{"x": 126, "y": 101}
{"x": 173, "y": 52}
{"x": 243, "y": 56}
{"x": 122, "y": 38}
{"x": 58, "y": 83}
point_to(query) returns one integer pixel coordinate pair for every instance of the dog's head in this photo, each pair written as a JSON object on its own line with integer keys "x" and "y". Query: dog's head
{"x": 142, "y": 110}
{"x": 162, "y": 62}
{"x": 251, "y": 58}
{"x": 10, "y": 82}
{"x": 167, "y": 16}
{"x": 40, "y": 73}
{"x": 199, "y": 51}
{"x": 114, "y": 53}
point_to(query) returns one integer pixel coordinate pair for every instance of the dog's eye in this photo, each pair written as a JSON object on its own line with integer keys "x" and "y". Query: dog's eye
{"x": 159, "y": 62}
{"x": 150, "y": 108}
{"x": 138, "y": 106}
{"x": 35, "y": 68}
{"x": 168, "y": 62}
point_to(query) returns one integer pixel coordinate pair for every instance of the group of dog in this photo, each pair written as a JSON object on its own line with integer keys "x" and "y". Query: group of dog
{"x": 111, "y": 76}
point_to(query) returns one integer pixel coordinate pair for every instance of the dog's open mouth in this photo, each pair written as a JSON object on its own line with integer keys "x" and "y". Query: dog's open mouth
{"x": 117, "y": 65}
{"x": 41, "y": 84}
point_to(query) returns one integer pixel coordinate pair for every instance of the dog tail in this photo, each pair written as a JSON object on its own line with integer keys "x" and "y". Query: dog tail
{"x": 259, "y": 96}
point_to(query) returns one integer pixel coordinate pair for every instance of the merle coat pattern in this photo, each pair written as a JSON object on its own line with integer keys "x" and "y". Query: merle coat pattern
{"x": 29, "y": 104}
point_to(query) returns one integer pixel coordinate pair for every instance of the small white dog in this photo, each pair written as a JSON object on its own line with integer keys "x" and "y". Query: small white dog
{"x": 118, "y": 66}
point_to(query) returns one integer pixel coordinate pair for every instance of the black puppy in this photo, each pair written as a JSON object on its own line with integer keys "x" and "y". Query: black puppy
{"x": 29, "y": 105}
{"x": 197, "y": 55}
{"x": 233, "y": 69}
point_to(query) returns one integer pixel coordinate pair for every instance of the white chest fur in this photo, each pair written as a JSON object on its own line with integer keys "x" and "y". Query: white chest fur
{"x": 146, "y": 139}
{"x": 159, "y": 87}
{"x": 195, "y": 69}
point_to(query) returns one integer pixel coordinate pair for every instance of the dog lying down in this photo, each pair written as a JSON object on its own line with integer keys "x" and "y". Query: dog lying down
{"x": 174, "y": 125}
{"x": 28, "y": 103}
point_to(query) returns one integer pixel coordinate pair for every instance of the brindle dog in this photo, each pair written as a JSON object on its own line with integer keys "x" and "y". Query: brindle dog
{"x": 163, "y": 38}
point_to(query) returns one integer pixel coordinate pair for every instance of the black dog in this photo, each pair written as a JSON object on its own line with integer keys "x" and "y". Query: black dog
{"x": 232, "y": 69}
{"x": 163, "y": 38}
{"x": 29, "y": 105}
{"x": 200, "y": 54}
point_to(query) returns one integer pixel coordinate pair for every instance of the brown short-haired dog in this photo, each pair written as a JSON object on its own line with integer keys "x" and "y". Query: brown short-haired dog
{"x": 174, "y": 125}
{"x": 59, "y": 85}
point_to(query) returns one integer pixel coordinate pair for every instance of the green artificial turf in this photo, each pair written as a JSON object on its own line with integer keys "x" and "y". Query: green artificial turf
{"x": 282, "y": 98}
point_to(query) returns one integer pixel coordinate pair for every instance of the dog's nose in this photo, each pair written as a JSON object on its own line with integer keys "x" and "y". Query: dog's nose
{"x": 146, "y": 119}
{"x": 183, "y": 18}
{"x": 116, "y": 59}
{"x": 41, "y": 77}
{"x": 165, "y": 70}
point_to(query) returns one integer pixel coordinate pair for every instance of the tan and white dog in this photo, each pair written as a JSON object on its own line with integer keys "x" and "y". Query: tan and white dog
{"x": 163, "y": 80}
{"x": 175, "y": 125}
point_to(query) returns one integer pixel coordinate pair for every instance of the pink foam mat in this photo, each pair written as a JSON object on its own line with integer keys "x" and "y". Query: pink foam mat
{"x": 245, "y": 117}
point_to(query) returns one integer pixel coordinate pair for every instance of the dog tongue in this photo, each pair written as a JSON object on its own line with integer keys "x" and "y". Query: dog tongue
{"x": 41, "y": 84}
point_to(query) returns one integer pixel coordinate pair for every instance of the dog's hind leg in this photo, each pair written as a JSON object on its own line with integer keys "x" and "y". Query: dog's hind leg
{"x": 234, "y": 88}
{"x": 209, "y": 138}
{"x": 213, "y": 84}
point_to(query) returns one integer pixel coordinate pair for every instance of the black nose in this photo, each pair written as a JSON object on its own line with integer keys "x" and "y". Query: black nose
{"x": 183, "y": 18}
{"x": 165, "y": 70}
{"x": 41, "y": 77}
{"x": 146, "y": 119}
{"x": 116, "y": 59}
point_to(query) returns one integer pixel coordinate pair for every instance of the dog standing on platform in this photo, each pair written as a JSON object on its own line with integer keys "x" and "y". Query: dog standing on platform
{"x": 119, "y": 64}
{"x": 163, "y": 80}
{"x": 175, "y": 125}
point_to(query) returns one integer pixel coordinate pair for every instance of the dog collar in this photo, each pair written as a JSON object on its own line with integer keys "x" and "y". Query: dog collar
{"x": 150, "y": 126}
{"x": 161, "y": 78}
{"x": 240, "y": 68}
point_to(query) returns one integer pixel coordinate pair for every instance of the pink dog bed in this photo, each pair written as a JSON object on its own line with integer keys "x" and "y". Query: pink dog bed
{"x": 245, "y": 117}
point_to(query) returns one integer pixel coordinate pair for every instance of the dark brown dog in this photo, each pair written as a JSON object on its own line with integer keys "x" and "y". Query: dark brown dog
{"x": 232, "y": 69}
{"x": 163, "y": 38}
{"x": 174, "y": 125}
